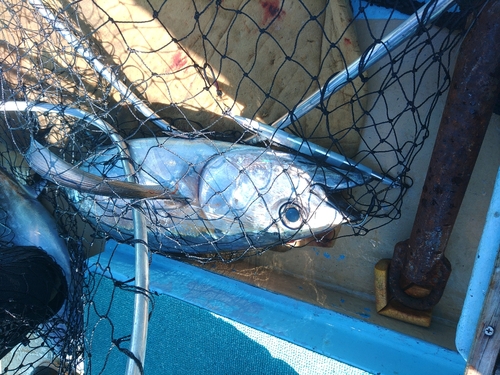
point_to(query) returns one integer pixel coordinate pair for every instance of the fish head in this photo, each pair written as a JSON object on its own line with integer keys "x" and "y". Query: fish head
{"x": 265, "y": 196}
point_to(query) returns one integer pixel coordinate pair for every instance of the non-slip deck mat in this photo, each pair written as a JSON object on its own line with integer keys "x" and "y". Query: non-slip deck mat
{"x": 193, "y": 341}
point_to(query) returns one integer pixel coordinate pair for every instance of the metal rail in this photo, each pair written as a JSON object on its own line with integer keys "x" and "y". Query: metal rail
{"x": 99, "y": 67}
{"x": 474, "y": 89}
{"x": 141, "y": 300}
{"x": 426, "y": 14}
{"x": 310, "y": 149}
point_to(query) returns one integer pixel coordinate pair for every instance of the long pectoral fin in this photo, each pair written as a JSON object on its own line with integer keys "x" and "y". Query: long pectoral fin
{"x": 53, "y": 168}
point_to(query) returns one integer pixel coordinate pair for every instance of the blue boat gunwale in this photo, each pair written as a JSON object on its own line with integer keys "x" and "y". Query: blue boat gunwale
{"x": 349, "y": 340}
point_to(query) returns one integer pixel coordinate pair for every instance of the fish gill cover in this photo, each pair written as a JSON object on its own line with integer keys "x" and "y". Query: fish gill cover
{"x": 229, "y": 127}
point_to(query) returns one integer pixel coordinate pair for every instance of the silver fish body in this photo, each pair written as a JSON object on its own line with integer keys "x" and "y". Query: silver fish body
{"x": 25, "y": 222}
{"x": 236, "y": 196}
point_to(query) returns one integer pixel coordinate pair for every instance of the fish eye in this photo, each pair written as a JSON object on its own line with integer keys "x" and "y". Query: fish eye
{"x": 291, "y": 215}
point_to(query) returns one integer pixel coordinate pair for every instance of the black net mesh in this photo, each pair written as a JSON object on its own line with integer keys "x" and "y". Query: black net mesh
{"x": 152, "y": 100}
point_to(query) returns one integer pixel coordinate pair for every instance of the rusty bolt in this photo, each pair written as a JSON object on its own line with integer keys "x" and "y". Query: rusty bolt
{"x": 489, "y": 331}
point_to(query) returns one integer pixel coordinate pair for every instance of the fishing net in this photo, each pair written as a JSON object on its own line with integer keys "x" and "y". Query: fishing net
{"x": 129, "y": 90}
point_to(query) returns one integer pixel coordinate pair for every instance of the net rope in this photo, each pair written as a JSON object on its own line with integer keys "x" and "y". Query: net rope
{"x": 172, "y": 81}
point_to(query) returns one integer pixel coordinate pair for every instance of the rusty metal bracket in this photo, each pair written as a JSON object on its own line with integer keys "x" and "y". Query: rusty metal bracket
{"x": 419, "y": 263}
{"x": 436, "y": 280}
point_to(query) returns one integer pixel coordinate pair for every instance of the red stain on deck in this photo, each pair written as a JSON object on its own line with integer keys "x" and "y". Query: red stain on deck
{"x": 347, "y": 41}
{"x": 178, "y": 60}
{"x": 272, "y": 10}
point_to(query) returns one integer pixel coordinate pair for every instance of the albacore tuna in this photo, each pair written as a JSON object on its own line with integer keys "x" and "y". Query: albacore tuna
{"x": 218, "y": 196}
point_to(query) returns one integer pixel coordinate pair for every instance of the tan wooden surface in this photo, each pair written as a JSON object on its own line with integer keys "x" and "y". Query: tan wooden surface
{"x": 485, "y": 348}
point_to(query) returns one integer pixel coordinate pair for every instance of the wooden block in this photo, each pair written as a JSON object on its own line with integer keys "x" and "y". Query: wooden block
{"x": 486, "y": 345}
{"x": 391, "y": 308}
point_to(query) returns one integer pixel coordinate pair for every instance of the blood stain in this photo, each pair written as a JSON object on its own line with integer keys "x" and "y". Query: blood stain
{"x": 178, "y": 60}
{"x": 272, "y": 10}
